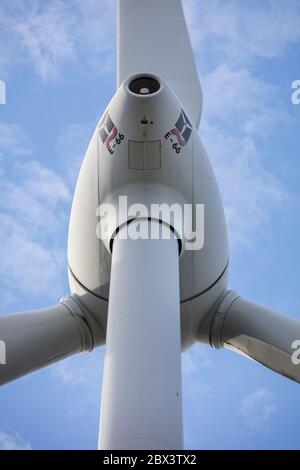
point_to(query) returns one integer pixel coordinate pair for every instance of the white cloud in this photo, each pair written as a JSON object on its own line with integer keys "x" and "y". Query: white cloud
{"x": 82, "y": 376}
{"x": 240, "y": 112}
{"x": 13, "y": 141}
{"x": 32, "y": 220}
{"x": 249, "y": 192}
{"x": 196, "y": 358}
{"x": 27, "y": 266}
{"x": 51, "y": 34}
{"x": 34, "y": 196}
{"x": 258, "y": 408}
{"x": 96, "y": 31}
{"x": 42, "y": 183}
{"x": 13, "y": 442}
{"x": 233, "y": 96}
{"x": 45, "y": 31}
{"x": 243, "y": 30}
{"x": 72, "y": 145}
{"x": 80, "y": 370}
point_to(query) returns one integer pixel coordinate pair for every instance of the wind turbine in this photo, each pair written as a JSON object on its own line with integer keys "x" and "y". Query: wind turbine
{"x": 147, "y": 298}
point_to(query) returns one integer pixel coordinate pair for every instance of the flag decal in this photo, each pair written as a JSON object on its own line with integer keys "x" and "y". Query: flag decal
{"x": 181, "y": 132}
{"x": 109, "y": 134}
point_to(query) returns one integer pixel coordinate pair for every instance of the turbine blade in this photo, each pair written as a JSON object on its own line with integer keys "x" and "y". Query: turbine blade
{"x": 32, "y": 340}
{"x": 258, "y": 333}
{"x": 153, "y": 38}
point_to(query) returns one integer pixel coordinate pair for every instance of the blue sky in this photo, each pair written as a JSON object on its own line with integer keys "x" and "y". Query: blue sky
{"x": 57, "y": 59}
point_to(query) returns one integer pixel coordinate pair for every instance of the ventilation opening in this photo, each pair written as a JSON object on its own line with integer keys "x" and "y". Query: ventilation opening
{"x": 144, "y": 86}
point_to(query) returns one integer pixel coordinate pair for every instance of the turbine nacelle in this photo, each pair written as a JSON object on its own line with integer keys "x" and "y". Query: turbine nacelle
{"x": 146, "y": 160}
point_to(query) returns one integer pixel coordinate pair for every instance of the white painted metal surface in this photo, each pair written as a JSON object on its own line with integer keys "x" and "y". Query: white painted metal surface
{"x": 153, "y": 37}
{"x": 259, "y": 333}
{"x": 141, "y": 395}
{"x": 171, "y": 178}
{"x": 39, "y": 338}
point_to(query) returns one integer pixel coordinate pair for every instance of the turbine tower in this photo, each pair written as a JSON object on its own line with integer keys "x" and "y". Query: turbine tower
{"x": 139, "y": 284}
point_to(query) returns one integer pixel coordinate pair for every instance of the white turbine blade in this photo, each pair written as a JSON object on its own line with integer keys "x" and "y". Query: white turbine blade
{"x": 153, "y": 38}
{"x": 259, "y": 333}
{"x": 33, "y": 340}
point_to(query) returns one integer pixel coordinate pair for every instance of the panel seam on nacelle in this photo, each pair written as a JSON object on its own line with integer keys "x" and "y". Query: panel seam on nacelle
{"x": 181, "y": 301}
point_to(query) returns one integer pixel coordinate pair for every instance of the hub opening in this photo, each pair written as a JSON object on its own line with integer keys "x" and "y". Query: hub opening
{"x": 144, "y": 86}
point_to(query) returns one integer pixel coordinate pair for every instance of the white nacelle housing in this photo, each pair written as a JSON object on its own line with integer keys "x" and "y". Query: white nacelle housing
{"x": 145, "y": 148}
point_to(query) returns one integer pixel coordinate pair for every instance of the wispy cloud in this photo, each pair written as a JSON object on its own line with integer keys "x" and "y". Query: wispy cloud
{"x": 249, "y": 191}
{"x": 241, "y": 30}
{"x": 71, "y": 146}
{"x": 79, "y": 370}
{"x": 258, "y": 408}
{"x": 27, "y": 266}
{"x": 96, "y": 33}
{"x": 45, "y": 30}
{"x": 50, "y": 35}
{"x": 32, "y": 216}
{"x": 240, "y": 113}
{"x": 43, "y": 184}
{"x": 82, "y": 376}
{"x": 241, "y": 110}
{"x": 236, "y": 98}
{"x": 13, "y": 442}
{"x": 195, "y": 359}
{"x": 13, "y": 141}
